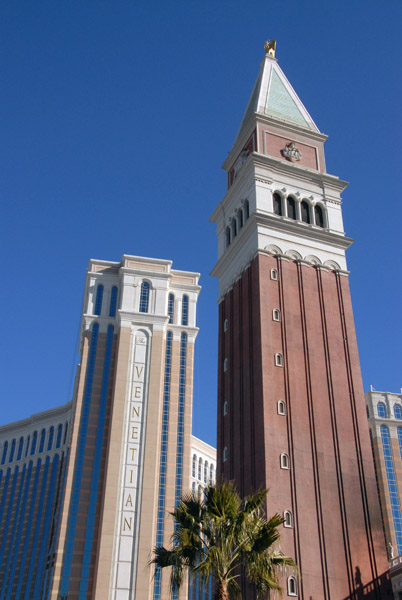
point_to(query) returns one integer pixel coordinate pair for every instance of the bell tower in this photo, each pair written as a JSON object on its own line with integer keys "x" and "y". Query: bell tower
{"x": 291, "y": 410}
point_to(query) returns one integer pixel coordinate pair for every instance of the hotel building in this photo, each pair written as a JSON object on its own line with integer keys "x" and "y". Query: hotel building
{"x": 291, "y": 410}
{"x": 85, "y": 489}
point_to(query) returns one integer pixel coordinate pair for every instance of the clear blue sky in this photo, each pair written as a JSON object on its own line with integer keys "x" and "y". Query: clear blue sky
{"x": 116, "y": 118}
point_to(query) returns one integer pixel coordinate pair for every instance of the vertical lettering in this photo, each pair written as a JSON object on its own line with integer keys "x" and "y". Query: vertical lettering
{"x": 135, "y": 411}
{"x": 137, "y": 392}
{"x": 129, "y": 501}
{"x": 139, "y": 371}
{"x": 127, "y": 524}
{"x": 134, "y": 432}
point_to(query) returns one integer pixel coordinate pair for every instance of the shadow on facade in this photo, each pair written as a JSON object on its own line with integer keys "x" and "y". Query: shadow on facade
{"x": 377, "y": 589}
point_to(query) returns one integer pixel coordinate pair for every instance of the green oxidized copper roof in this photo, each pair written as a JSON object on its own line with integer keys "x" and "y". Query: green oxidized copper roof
{"x": 280, "y": 103}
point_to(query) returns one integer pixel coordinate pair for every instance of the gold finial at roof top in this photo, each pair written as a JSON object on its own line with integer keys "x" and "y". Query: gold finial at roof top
{"x": 270, "y": 47}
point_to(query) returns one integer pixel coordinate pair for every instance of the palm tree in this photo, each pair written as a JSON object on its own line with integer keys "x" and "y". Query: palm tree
{"x": 221, "y": 534}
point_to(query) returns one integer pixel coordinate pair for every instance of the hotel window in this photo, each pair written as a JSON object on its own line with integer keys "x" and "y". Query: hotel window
{"x": 34, "y": 440}
{"x": 12, "y": 451}
{"x": 281, "y": 407}
{"x": 211, "y": 473}
{"x": 5, "y": 448}
{"x": 287, "y": 518}
{"x": 225, "y": 364}
{"x": 27, "y": 447}
{"x": 246, "y": 208}
{"x": 199, "y": 468}
{"x": 66, "y": 424}
{"x": 205, "y": 471}
{"x": 184, "y": 310}
{"x": 225, "y": 408}
{"x": 305, "y": 212}
{"x": 42, "y": 440}
{"x": 227, "y": 236}
{"x": 234, "y": 228}
{"x": 194, "y": 465}
{"x": 392, "y": 485}
{"x": 113, "y": 302}
{"x": 292, "y": 586}
{"x": 276, "y": 314}
{"x": 98, "y": 300}
{"x": 291, "y": 208}
{"x": 50, "y": 440}
{"x": 319, "y": 216}
{"x": 199, "y": 492}
{"x": 59, "y": 432}
{"x": 240, "y": 219}
{"x": 398, "y": 411}
{"x": 144, "y": 297}
{"x": 284, "y": 461}
{"x": 20, "y": 448}
{"x": 193, "y": 487}
{"x": 381, "y": 410}
{"x": 171, "y": 307}
{"x": 225, "y": 454}
{"x": 274, "y": 274}
{"x": 225, "y": 325}
{"x": 278, "y": 360}
{"x": 277, "y": 201}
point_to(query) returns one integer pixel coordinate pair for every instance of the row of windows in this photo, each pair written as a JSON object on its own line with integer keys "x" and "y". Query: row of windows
{"x": 299, "y": 211}
{"x": 202, "y": 469}
{"x": 99, "y": 300}
{"x": 382, "y": 411}
{"x": 16, "y": 451}
{"x": 237, "y": 222}
{"x": 392, "y": 483}
{"x": 281, "y": 410}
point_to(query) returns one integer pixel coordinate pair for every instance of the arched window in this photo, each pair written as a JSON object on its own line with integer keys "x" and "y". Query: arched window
{"x": 27, "y": 448}
{"x": 284, "y": 461}
{"x": 199, "y": 468}
{"x": 144, "y": 297}
{"x": 240, "y": 219}
{"x": 59, "y": 432}
{"x": 225, "y": 325}
{"x": 42, "y": 440}
{"x": 194, "y": 465}
{"x": 225, "y": 408}
{"x": 225, "y": 364}
{"x": 277, "y": 200}
{"x": 98, "y": 300}
{"x": 246, "y": 209}
{"x": 274, "y": 275}
{"x": 12, "y": 451}
{"x": 5, "y": 449}
{"x": 278, "y": 359}
{"x": 34, "y": 440}
{"x": 205, "y": 471}
{"x": 50, "y": 440}
{"x": 276, "y": 314}
{"x": 193, "y": 487}
{"x": 66, "y": 425}
{"x": 398, "y": 411}
{"x": 113, "y": 302}
{"x": 171, "y": 307}
{"x": 319, "y": 215}
{"x": 381, "y": 410}
{"x": 287, "y": 518}
{"x": 234, "y": 228}
{"x": 292, "y": 586}
{"x": 211, "y": 473}
{"x": 225, "y": 454}
{"x": 281, "y": 407}
{"x": 199, "y": 492}
{"x": 305, "y": 212}
{"x": 291, "y": 208}
{"x": 20, "y": 448}
{"x": 227, "y": 236}
{"x": 184, "y": 310}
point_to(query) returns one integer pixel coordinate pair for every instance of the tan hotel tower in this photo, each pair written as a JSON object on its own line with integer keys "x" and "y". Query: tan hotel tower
{"x": 291, "y": 410}
{"x": 85, "y": 489}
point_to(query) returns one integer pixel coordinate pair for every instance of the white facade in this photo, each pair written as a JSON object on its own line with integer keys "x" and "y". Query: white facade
{"x": 203, "y": 465}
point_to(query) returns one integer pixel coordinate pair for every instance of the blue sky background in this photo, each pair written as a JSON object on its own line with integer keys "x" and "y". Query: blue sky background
{"x": 116, "y": 118}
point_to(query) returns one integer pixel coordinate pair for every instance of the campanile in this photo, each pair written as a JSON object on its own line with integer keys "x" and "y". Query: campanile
{"x": 291, "y": 411}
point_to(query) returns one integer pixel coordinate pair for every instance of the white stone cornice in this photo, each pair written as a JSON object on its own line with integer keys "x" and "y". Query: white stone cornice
{"x": 128, "y": 319}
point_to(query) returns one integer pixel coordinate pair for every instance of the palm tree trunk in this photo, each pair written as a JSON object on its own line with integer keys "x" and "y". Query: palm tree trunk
{"x": 223, "y": 592}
